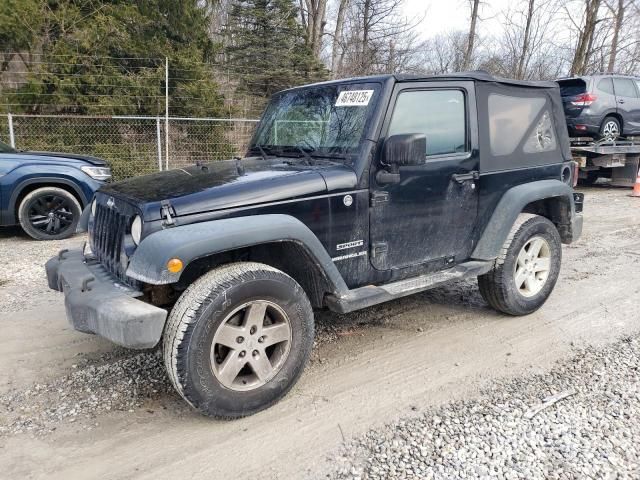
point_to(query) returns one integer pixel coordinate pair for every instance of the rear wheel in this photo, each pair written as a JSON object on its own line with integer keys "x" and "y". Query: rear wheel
{"x": 49, "y": 213}
{"x": 525, "y": 272}
{"x": 610, "y": 128}
{"x": 238, "y": 339}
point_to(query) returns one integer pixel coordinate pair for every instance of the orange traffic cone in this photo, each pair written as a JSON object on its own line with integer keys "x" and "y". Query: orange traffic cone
{"x": 636, "y": 187}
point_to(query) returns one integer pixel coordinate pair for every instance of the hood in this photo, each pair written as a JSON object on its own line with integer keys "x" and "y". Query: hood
{"x": 57, "y": 156}
{"x": 231, "y": 183}
{"x": 11, "y": 161}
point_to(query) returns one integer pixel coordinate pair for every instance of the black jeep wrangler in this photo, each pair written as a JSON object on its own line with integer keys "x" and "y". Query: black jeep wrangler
{"x": 352, "y": 193}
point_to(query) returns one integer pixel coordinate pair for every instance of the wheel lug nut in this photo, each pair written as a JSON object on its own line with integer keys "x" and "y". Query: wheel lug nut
{"x": 253, "y": 330}
{"x": 256, "y": 353}
{"x": 240, "y": 339}
{"x": 242, "y": 354}
{"x": 261, "y": 339}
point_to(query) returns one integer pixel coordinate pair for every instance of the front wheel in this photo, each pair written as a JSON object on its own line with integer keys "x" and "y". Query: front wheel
{"x": 238, "y": 339}
{"x": 525, "y": 272}
{"x": 49, "y": 213}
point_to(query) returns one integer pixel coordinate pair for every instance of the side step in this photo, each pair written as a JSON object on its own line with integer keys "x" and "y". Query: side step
{"x": 371, "y": 295}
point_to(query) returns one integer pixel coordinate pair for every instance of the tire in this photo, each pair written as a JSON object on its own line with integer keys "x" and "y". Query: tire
{"x": 49, "y": 213}
{"x": 610, "y": 128}
{"x": 498, "y": 286}
{"x": 211, "y": 314}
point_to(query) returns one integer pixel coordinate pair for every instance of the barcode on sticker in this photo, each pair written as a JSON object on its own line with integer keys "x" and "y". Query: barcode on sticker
{"x": 354, "y": 98}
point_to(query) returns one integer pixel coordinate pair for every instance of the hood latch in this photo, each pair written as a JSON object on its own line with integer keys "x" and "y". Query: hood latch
{"x": 167, "y": 210}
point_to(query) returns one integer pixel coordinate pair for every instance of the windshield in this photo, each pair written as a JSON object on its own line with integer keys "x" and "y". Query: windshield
{"x": 327, "y": 120}
{"x": 4, "y": 148}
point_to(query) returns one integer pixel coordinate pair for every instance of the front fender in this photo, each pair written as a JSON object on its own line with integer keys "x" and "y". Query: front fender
{"x": 190, "y": 242}
{"x": 510, "y": 206}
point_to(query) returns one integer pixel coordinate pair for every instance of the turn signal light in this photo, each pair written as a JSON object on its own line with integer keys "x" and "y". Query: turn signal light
{"x": 174, "y": 265}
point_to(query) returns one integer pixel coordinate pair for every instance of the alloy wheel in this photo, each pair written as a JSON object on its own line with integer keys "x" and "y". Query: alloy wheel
{"x": 532, "y": 267}
{"x": 51, "y": 214}
{"x": 610, "y": 130}
{"x": 251, "y": 345}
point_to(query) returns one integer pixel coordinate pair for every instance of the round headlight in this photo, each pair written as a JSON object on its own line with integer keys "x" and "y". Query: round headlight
{"x": 136, "y": 230}
{"x": 93, "y": 208}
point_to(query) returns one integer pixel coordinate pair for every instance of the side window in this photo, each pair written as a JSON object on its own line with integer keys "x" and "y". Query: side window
{"x": 625, "y": 87}
{"x": 439, "y": 114}
{"x": 606, "y": 85}
{"x": 509, "y": 120}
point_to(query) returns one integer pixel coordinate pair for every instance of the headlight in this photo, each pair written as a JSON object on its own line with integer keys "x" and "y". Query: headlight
{"x": 93, "y": 208}
{"x": 97, "y": 173}
{"x": 136, "y": 230}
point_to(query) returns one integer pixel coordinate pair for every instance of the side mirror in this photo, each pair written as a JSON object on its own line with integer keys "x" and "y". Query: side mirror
{"x": 404, "y": 150}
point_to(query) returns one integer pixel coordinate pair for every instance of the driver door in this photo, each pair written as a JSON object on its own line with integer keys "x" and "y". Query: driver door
{"x": 429, "y": 215}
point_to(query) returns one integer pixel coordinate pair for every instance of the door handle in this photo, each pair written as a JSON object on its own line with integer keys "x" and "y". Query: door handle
{"x": 465, "y": 177}
{"x": 620, "y": 101}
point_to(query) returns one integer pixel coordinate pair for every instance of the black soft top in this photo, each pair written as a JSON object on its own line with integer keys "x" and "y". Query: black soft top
{"x": 477, "y": 76}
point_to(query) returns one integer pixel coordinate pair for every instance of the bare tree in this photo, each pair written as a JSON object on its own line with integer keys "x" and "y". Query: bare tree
{"x": 586, "y": 32}
{"x": 376, "y": 38}
{"x": 337, "y": 35}
{"x": 313, "y": 15}
{"x": 618, "y": 13}
{"x": 474, "y": 4}
{"x": 444, "y": 53}
{"x": 525, "y": 48}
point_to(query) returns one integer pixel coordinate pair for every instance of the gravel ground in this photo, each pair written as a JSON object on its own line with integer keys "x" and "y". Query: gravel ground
{"x": 25, "y": 283}
{"x": 591, "y": 431}
{"x": 120, "y": 380}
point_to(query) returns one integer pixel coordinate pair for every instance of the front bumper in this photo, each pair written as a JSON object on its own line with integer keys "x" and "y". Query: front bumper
{"x": 97, "y": 303}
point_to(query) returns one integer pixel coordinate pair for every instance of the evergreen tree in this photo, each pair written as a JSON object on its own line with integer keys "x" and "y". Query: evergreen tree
{"x": 265, "y": 46}
{"x": 107, "y": 56}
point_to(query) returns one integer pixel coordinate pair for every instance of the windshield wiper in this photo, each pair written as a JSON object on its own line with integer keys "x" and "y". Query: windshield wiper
{"x": 308, "y": 158}
{"x": 263, "y": 151}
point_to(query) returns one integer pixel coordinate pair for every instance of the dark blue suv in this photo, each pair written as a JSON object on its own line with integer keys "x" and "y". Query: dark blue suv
{"x": 45, "y": 192}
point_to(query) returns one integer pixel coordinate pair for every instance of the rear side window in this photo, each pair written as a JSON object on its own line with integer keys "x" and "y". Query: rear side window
{"x": 572, "y": 87}
{"x": 625, "y": 87}
{"x": 510, "y": 118}
{"x": 606, "y": 85}
{"x": 439, "y": 114}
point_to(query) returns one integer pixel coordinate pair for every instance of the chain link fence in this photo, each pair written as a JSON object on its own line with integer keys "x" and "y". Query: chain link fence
{"x": 131, "y": 145}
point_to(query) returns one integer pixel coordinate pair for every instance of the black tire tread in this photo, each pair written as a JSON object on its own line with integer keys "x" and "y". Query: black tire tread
{"x": 492, "y": 285}
{"x": 185, "y": 314}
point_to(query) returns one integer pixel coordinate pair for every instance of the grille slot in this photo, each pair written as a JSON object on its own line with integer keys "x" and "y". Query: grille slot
{"x": 109, "y": 229}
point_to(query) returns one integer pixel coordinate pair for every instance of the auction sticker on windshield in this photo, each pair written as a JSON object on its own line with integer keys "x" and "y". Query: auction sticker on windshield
{"x": 354, "y": 98}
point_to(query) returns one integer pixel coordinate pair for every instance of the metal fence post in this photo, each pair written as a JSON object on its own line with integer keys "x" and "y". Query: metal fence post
{"x": 12, "y": 138}
{"x": 166, "y": 111}
{"x": 159, "y": 140}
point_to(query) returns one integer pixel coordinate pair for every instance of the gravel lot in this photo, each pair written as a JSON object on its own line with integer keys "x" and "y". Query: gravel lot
{"x": 511, "y": 432}
{"x": 25, "y": 283}
{"x": 436, "y": 385}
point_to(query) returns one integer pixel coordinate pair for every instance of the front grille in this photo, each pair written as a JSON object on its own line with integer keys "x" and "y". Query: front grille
{"x": 110, "y": 225}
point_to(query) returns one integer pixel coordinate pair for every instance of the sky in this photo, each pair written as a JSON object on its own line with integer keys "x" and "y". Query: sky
{"x": 445, "y": 15}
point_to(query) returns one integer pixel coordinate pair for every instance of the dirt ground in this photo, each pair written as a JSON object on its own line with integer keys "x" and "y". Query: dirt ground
{"x": 59, "y": 417}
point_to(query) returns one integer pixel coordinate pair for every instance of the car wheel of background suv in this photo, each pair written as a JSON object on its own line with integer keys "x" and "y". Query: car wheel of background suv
{"x": 610, "y": 128}
{"x": 49, "y": 213}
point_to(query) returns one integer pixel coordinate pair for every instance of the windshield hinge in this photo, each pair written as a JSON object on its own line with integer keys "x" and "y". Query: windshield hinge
{"x": 167, "y": 210}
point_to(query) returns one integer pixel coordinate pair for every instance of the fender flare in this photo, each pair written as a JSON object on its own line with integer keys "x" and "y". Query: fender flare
{"x": 52, "y": 181}
{"x": 196, "y": 240}
{"x": 510, "y": 206}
